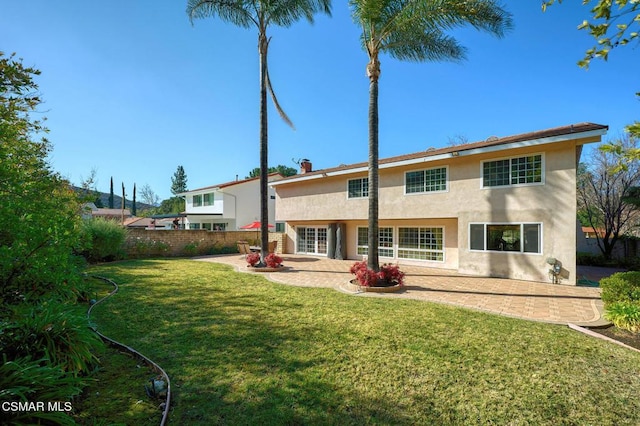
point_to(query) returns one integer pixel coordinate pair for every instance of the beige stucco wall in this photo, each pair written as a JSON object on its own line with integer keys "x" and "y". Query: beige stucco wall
{"x": 320, "y": 201}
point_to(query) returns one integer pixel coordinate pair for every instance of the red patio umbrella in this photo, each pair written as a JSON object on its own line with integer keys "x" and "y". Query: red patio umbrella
{"x": 254, "y": 225}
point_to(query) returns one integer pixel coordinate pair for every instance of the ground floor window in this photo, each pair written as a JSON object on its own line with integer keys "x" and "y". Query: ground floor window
{"x": 311, "y": 240}
{"x": 513, "y": 237}
{"x": 194, "y": 225}
{"x": 385, "y": 241}
{"x": 421, "y": 243}
{"x": 415, "y": 243}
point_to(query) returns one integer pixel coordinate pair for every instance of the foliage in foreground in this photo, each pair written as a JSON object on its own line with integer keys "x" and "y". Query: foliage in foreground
{"x": 621, "y": 297}
{"x": 242, "y": 350}
{"x": 45, "y": 343}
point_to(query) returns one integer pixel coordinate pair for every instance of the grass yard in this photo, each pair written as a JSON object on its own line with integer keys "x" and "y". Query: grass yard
{"x": 242, "y": 350}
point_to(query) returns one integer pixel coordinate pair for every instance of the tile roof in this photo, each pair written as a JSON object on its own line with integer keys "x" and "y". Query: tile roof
{"x": 228, "y": 184}
{"x": 489, "y": 142}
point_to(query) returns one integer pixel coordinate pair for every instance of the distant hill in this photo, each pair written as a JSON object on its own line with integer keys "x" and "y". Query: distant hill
{"x": 117, "y": 200}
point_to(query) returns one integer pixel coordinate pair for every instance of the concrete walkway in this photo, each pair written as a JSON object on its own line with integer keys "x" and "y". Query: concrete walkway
{"x": 551, "y": 303}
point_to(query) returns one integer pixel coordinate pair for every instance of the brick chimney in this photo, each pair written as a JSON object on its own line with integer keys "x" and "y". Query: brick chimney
{"x": 305, "y": 166}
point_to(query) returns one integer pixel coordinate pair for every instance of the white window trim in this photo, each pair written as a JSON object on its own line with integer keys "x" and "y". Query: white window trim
{"x": 444, "y": 246}
{"x": 510, "y": 185}
{"x": 396, "y": 241}
{"x": 316, "y": 253}
{"x": 484, "y": 239}
{"x": 392, "y": 248}
{"x": 426, "y": 192}
{"x": 357, "y": 198}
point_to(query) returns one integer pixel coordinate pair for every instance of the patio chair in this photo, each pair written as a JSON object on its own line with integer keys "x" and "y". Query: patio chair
{"x": 272, "y": 246}
{"x": 243, "y": 248}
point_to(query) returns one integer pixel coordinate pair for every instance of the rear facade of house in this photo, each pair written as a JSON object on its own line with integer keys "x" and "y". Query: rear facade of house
{"x": 503, "y": 207}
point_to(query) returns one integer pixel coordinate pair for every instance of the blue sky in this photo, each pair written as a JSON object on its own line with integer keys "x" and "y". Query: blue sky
{"x": 133, "y": 90}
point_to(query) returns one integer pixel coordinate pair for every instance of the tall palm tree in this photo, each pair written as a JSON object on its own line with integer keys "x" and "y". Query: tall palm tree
{"x": 413, "y": 30}
{"x": 261, "y": 14}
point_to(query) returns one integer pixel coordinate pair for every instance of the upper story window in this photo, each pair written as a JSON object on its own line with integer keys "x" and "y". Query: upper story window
{"x": 208, "y": 199}
{"x": 358, "y": 188}
{"x": 512, "y": 171}
{"x": 197, "y": 200}
{"x": 430, "y": 180}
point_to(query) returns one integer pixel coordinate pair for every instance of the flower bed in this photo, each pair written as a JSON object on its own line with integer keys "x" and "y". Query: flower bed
{"x": 390, "y": 278}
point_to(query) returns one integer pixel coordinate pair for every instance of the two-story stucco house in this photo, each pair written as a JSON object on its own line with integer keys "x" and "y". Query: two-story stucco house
{"x": 500, "y": 207}
{"x": 227, "y": 206}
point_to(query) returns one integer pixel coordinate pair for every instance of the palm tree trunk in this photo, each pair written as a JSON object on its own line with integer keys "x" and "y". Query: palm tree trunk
{"x": 373, "y": 71}
{"x": 263, "y": 44}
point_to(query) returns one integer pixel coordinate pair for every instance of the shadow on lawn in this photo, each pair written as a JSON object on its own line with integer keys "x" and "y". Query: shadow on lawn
{"x": 237, "y": 359}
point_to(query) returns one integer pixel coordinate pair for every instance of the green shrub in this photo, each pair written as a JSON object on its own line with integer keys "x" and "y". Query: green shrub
{"x": 29, "y": 380}
{"x": 51, "y": 331}
{"x": 621, "y": 287}
{"x": 219, "y": 248}
{"x": 147, "y": 247}
{"x": 588, "y": 259}
{"x": 624, "y": 315}
{"x": 103, "y": 240}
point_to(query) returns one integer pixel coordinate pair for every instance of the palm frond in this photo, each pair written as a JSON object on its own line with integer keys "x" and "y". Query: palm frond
{"x": 413, "y": 29}
{"x": 286, "y": 12}
{"x": 420, "y": 46}
{"x": 237, "y": 12}
{"x": 281, "y": 112}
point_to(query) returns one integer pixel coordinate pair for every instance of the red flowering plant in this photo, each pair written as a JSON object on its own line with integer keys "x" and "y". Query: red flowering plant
{"x": 364, "y": 276}
{"x": 391, "y": 274}
{"x": 273, "y": 260}
{"x": 253, "y": 259}
{"x": 388, "y": 275}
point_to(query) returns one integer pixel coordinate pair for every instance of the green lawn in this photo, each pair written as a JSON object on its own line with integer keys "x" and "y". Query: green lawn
{"x": 242, "y": 350}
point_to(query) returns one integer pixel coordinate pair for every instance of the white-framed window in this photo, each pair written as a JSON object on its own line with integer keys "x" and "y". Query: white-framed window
{"x": 421, "y": 243}
{"x": 526, "y": 170}
{"x": 280, "y": 226}
{"x": 507, "y": 237}
{"x": 311, "y": 240}
{"x": 208, "y": 199}
{"x": 197, "y": 200}
{"x": 194, "y": 225}
{"x": 385, "y": 241}
{"x": 428, "y": 180}
{"x": 358, "y": 188}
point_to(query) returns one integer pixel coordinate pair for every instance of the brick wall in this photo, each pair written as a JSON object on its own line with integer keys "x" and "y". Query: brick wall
{"x": 158, "y": 242}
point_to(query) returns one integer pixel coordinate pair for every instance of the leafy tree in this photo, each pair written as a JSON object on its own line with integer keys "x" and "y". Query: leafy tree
{"x": 624, "y": 14}
{"x": 603, "y": 194}
{"x": 179, "y": 181}
{"x": 111, "y": 204}
{"x": 261, "y": 14}
{"x": 171, "y": 205}
{"x": 626, "y": 155}
{"x": 39, "y": 212}
{"x": 414, "y": 31}
{"x": 283, "y": 170}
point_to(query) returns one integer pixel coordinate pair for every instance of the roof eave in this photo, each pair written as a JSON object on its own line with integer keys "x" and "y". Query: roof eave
{"x": 588, "y": 136}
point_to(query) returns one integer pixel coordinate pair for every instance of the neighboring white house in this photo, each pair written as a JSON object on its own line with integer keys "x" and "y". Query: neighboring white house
{"x": 227, "y": 206}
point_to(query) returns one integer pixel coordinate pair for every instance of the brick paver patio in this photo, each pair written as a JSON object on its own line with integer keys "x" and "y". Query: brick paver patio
{"x": 522, "y": 299}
